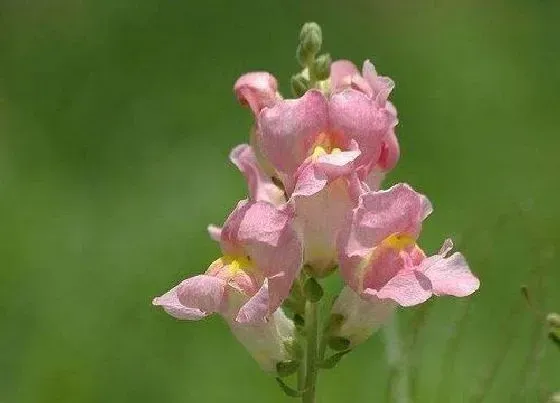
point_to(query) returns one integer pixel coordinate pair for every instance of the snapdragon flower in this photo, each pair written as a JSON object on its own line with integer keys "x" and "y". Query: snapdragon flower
{"x": 314, "y": 167}
{"x": 247, "y": 285}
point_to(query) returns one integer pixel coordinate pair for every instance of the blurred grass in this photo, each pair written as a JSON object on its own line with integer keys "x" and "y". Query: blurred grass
{"x": 116, "y": 118}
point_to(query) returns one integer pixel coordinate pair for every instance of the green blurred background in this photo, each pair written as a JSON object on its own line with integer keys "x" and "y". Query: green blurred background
{"x": 116, "y": 119}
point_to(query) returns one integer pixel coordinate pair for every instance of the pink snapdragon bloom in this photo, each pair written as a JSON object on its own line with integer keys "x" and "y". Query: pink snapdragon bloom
{"x": 379, "y": 257}
{"x": 246, "y": 286}
{"x": 262, "y": 256}
{"x": 322, "y": 137}
{"x": 344, "y": 74}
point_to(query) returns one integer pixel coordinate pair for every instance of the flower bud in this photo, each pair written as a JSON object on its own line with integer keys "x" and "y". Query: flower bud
{"x": 311, "y": 39}
{"x": 268, "y": 342}
{"x": 361, "y": 317}
{"x": 322, "y": 66}
{"x": 553, "y": 320}
{"x": 334, "y": 359}
{"x": 300, "y": 85}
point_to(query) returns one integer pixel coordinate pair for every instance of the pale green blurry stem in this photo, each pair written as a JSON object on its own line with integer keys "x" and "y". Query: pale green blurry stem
{"x": 311, "y": 328}
{"x": 393, "y": 346}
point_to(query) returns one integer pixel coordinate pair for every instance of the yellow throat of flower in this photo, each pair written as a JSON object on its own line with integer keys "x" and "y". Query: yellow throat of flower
{"x": 237, "y": 264}
{"x": 323, "y": 146}
{"x": 395, "y": 241}
{"x": 398, "y": 241}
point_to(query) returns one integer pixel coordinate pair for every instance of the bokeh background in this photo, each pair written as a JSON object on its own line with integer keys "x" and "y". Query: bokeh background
{"x": 116, "y": 119}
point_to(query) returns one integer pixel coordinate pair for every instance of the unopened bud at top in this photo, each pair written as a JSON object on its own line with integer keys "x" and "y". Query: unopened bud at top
{"x": 311, "y": 39}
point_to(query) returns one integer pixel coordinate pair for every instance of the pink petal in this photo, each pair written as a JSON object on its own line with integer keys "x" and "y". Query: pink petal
{"x": 269, "y": 240}
{"x": 254, "y": 141}
{"x": 390, "y": 152}
{"x": 256, "y": 89}
{"x": 214, "y": 232}
{"x": 399, "y": 210}
{"x": 229, "y": 241}
{"x": 450, "y": 276}
{"x": 280, "y": 284}
{"x": 338, "y": 164}
{"x": 360, "y": 84}
{"x": 256, "y": 309}
{"x": 381, "y": 86}
{"x": 261, "y": 186}
{"x": 375, "y": 177}
{"x": 309, "y": 180}
{"x": 314, "y": 175}
{"x": 354, "y": 116}
{"x": 206, "y": 293}
{"x": 341, "y": 73}
{"x": 407, "y": 288}
{"x": 288, "y": 129}
{"x": 384, "y": 264}
{"x": 262, "y": 223}
{"x": 320, "y": 215}
{"x": 171, "y": 304}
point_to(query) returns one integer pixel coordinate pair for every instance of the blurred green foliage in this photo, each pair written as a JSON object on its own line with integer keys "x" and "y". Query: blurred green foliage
{"x": 116, "y": 119}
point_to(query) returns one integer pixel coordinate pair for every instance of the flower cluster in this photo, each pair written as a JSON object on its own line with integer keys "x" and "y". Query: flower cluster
{"x": 314, "y": 168}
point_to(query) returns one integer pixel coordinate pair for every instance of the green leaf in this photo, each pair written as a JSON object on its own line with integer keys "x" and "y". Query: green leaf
{"x": 334, "y": 359}
{"x": 288, "y": 390}
{"x": 287, "y": 368}
{"x": 338, "y": 343}
{"x": 313, "y": 290}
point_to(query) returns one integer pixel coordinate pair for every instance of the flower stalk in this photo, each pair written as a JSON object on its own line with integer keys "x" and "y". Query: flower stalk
{"x": 311, "y": 356}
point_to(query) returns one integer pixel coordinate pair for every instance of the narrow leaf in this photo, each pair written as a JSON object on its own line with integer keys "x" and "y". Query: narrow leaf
{"x": 287, "y": 368}
{"x": 334, "y": 359}
{"x": 288, "y": 390}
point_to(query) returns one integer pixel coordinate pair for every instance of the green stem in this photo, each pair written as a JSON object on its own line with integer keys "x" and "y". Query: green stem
{"x": 311, "y": 327}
